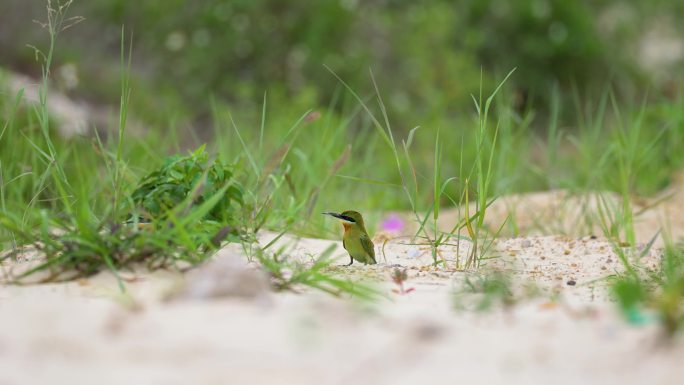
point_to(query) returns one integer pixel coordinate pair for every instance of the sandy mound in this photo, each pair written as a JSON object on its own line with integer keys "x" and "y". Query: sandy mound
{"x": 574, "y": 214}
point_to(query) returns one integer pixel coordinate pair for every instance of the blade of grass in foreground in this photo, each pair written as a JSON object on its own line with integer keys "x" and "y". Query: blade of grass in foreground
{"x": 483, "y": 171}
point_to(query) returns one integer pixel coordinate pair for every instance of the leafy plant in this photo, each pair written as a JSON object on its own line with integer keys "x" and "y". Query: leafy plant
{"x": 190, "y": 177}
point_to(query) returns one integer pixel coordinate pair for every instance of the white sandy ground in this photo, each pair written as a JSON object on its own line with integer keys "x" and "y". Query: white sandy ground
{"x": 87, "y": 332}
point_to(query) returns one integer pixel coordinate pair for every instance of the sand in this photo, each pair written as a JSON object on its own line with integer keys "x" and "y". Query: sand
{"x": 202, "y": 328}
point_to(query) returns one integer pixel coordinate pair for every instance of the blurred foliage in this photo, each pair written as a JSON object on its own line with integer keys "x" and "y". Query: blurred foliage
{"x": 426, "y": 56}
{"x": 491, "y": 289}
{"x": 551, "y": 40}
{"x": 655, "y": 295}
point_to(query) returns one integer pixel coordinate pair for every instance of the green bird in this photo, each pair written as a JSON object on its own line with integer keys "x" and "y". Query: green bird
{"x": 355, "y": 239}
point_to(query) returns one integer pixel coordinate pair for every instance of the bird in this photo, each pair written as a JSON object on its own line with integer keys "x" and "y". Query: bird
{"x": 355, "y": 239}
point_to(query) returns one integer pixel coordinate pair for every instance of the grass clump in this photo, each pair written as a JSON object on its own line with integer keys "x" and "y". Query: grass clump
{"x": 189, "y": 209}
{"x": 490, "y": 290}
{"x": 645, "y": 295}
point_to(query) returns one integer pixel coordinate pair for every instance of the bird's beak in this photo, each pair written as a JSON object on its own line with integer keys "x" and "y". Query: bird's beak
{"x": 340, "y": 216}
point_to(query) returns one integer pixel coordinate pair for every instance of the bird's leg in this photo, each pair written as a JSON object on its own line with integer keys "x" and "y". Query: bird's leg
{"x": 351, "y": 260}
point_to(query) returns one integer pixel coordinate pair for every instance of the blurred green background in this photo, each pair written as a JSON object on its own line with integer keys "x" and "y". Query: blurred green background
{"x": 426, "y": 56}
{"x": 594, "y": 80}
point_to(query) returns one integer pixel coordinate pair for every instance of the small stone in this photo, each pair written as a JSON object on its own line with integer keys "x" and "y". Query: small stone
{"x": 413, "y": 253}
{"x": 526, "y": 243}
{"x": 571, "y": 283}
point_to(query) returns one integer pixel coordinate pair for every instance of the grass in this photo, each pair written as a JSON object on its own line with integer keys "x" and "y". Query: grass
{"x": 482, "y": 291}
{"x": 69, "y": 198}
{"x": 646, "y": 294}
{"x": 179, "y": 213}
{"x": 485, "y": 148}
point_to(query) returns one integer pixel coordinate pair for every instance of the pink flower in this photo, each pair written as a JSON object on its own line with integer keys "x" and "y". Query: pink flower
{"x": 393, "y": 223}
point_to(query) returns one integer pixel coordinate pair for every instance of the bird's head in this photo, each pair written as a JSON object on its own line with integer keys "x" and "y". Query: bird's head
{"x": 350, "y": 219}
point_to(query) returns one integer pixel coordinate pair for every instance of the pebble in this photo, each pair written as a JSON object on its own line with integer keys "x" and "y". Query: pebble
{"x": 413, "y": 253}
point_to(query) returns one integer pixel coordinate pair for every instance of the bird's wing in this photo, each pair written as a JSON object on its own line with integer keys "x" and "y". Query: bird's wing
{"x": 368, "y": 246}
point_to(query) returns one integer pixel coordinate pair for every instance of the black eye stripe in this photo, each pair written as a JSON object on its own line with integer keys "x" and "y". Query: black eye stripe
{"x": 346, "y": 218}
{"x": 341, "y": 216}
